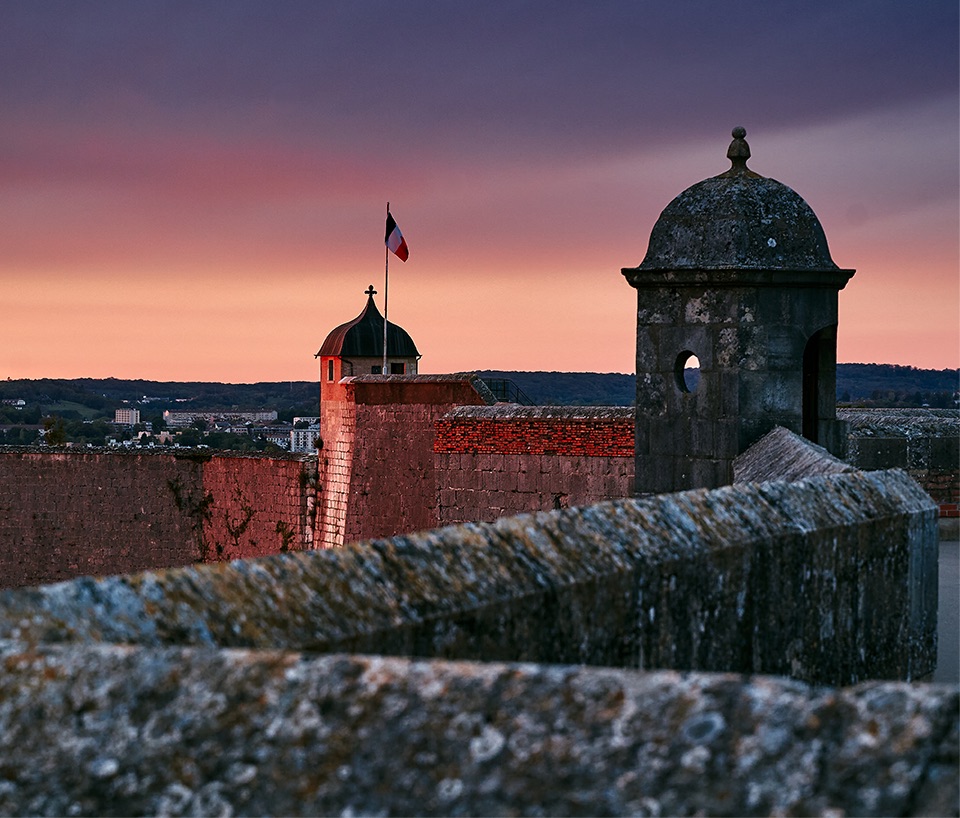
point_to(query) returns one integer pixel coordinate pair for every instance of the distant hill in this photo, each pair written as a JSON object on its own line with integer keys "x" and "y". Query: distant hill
{"x": 869, "y": 384}
{"x": 571, "y": 388}
{"x": 866, "y": 384}
{"x": 856, "y": 382}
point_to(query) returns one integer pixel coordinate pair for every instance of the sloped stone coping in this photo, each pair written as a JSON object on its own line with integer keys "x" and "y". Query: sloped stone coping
{"x": 901, "y": 422}
{"x": 783, "y": 455}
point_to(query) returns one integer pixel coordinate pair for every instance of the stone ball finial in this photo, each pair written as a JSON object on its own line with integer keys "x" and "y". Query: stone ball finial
{"x": 739, "y": 151}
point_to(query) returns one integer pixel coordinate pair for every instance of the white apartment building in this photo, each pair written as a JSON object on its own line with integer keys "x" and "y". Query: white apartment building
{"x": 127, "y": 417}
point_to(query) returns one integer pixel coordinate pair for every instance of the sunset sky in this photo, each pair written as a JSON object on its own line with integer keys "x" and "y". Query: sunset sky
{"x": 197, "y": 190}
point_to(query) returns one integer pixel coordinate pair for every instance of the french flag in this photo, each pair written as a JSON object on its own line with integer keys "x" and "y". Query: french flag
{"x": 395, "y": 240}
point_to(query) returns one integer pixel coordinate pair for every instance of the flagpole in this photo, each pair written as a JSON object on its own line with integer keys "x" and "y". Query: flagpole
{"x": 386, "y": 284}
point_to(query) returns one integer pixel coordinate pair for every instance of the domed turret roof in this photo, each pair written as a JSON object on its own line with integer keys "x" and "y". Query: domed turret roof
{"x": 738, "y": 220}
{"x": 363, "y": 336}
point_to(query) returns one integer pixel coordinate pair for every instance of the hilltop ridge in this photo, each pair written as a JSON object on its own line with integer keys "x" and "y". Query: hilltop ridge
{"x": 867, "y": 384}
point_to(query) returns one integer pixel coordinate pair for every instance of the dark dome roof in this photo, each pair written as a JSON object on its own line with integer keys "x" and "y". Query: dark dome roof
{"x": 363, "y": 336}
{"x": 738, "y": 220}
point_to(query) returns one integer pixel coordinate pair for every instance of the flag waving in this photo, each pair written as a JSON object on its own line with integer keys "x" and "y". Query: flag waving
{"x": 395, "y": 241}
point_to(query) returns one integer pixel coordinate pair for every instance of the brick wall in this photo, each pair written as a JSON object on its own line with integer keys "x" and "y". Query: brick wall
{"x": 70, "y": 514}
{"x": 502, "y": 460}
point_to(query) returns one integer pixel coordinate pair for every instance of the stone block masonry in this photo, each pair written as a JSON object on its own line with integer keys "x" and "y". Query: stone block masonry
{"x": 128, "y": 695}
{"x": 494, "y": 461}
{"x": 830, "y": 580}
{"x": 76, "y": 513}
{"x": 257, "y": 506}
{"x": 924, "y": 442}
{"x": 200, "y": 732}
{"x": 376, "y": 466}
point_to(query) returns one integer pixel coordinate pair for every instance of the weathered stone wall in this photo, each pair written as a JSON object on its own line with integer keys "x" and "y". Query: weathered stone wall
{"x": 64, "y": 515}
{"x": 258, "y": 506}
{"x": 783, "y": 455}
{"x": 830, "y": 580}
{"x": 495, "y": 461}
{"x": 393, "y": 486}
{"x": 924, "y": 442}
{"x": 68, "y": 514}
{"x": 129, "y": 731}
{"x": 750, "y": 330}
{"x": 335, "y": 469}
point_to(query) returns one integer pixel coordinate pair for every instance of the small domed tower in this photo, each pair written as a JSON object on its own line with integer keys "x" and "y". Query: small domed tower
{"x": 736, "y": 328}
{"x": 356, "y": 348}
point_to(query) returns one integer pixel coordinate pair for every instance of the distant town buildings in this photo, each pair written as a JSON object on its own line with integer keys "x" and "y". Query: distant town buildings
{"x": 182, "y": 419}
{"x": 303, "y": 439}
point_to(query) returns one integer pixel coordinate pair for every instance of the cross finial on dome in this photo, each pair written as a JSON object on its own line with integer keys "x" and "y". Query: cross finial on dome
{"x": 370, "y": 291}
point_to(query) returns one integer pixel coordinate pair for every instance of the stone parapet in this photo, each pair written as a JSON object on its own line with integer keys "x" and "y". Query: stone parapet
{"x": 924, "y": 442}
{"x": 783, "y": 455}
{"x": 831, "y": 580}
{"x": 107, "y": 730}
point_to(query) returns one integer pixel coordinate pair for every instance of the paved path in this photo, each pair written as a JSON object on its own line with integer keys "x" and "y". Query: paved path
{"x": 948, "y": 614}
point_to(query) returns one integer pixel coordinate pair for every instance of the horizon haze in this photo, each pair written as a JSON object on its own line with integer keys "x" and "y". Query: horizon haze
{"x": 197, "y": 192}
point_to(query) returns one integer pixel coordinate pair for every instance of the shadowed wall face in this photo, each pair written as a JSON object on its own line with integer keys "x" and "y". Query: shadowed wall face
{"x": 830, "y": 580}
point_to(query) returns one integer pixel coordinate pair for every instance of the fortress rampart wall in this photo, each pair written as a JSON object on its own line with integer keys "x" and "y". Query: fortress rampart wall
{"x": 495, "y": 461}
{"x": 257, "y": 506}
{"x": 923, "y": 442}
{"x": 399, "y": 455}
{"x": 376, "y": 465}
{"x": 74, "y": 513}
{"x": 206, "y": 688}
{"x": 830, "y": 580}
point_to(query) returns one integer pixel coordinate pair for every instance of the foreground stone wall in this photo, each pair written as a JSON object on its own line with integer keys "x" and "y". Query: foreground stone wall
{"x": 127, "y": 731}
{"x": 74, "y": 513}
{"x": 831, "y": 580}
{"x": 495, "y": 461}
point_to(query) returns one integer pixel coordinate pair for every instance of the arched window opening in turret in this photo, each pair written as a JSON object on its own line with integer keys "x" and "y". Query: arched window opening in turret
{"x": 819, "y": 379}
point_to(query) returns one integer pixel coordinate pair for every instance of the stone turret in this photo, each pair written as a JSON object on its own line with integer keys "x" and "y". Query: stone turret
{"x": 736, "y": 328}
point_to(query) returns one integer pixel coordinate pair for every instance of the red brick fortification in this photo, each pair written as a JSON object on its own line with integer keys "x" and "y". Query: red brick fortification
{"x": 496, "y": 461}
{"x": 70, "y": 514}
{"x": 943, "y": 485}
{"x": 376, "y": 465}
